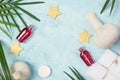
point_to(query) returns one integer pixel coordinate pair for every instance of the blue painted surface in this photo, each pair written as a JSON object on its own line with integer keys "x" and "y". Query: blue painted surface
{"x": 55, "y": 42}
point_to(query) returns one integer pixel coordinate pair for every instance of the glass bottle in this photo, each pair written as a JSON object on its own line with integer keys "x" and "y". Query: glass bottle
{"x": 86, "y": 57}
{"x": 24, "y": 34}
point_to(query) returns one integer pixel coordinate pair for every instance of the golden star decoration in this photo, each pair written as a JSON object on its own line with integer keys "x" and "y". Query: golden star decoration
{"x": 84, "y": 36}
{"x": 15, "y": 48}
{"x": 53, "y": 12}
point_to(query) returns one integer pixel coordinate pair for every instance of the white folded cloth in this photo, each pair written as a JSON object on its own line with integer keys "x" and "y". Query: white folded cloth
{"x": 110, "y": 76}
{"x": 96, "y": 72}
{"x": 107, "y": 58}
{"x": 111, "y": 61}
{"x": 107, "y": 67}
{"x": 115, "y": 67}
{"x": 99, "y": 72}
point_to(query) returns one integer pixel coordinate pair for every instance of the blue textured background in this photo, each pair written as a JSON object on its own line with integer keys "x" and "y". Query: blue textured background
{"x": 55, "y": 42}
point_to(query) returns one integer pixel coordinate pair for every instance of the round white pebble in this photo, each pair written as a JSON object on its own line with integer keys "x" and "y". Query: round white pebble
{"x": 44, "y": 71}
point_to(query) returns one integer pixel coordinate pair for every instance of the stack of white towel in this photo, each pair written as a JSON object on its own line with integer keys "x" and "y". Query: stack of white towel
{"x": 106, "y": 68}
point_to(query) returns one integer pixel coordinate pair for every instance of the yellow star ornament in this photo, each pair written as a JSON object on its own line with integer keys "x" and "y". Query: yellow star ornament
{"x": 15, "y": 48}
{"x": 84, "y": 36}
{"x": 53, "y": 12}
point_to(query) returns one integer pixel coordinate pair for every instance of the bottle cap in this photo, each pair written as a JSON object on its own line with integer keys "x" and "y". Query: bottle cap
{"x": 82, "y": 49}
{"x": 30, "y": 27}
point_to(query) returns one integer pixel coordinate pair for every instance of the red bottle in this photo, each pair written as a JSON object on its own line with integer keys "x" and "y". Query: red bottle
{"x": 86, "y": 57}
{"x": 24, "y": 34}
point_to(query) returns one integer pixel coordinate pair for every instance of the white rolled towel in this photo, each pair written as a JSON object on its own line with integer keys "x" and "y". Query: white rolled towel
{"x": 107, "y": 58}
{"x": 96, "y": 72}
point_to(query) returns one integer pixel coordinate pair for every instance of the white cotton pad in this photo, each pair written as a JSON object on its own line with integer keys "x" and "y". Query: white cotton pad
{"x": 44, "y": 71}
{"x": 107, "y": 58}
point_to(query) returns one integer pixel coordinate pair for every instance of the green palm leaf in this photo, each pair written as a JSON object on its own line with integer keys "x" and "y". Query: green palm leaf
{"x": 1, "y": 1}
{"x": 76, "y": 74}
{"x": 113, "y": 3}
{"x": 28, "y": 13}
{"x": 5, "y": 33}
{"x": 4, "y": 65}
{"x": 29, "y": 3}
{"x": 7, "y": 14}
{"x": 4, "y": 22}
{"x": 12, "y": 17}
{"x": 69, "y": 76}
{"x": 1, "y": 76}
{"x": 8, "y": 8}
{"x": 20, "y": 17}
{"x": 105, "y": 6}
{"x": 4, "y": 3}
{"x": 7, "y": 23}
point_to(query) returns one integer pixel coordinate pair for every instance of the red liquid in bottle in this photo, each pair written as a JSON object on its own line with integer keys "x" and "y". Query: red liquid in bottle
{"x": 86, "y": 57}
{"x": 24, "y": 34}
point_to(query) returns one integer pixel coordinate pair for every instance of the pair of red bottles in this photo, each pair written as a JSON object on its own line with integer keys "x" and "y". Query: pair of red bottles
{"x": 84, "y": 54}
{"x": 24, "y": 34}
{"x": 86, "y": 57}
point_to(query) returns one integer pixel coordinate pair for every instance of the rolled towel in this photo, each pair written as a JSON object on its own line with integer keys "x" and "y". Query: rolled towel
{"x": 96, "y": 72}
{"x": 107, "y": 58}
{"x": 115, "y": 67}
